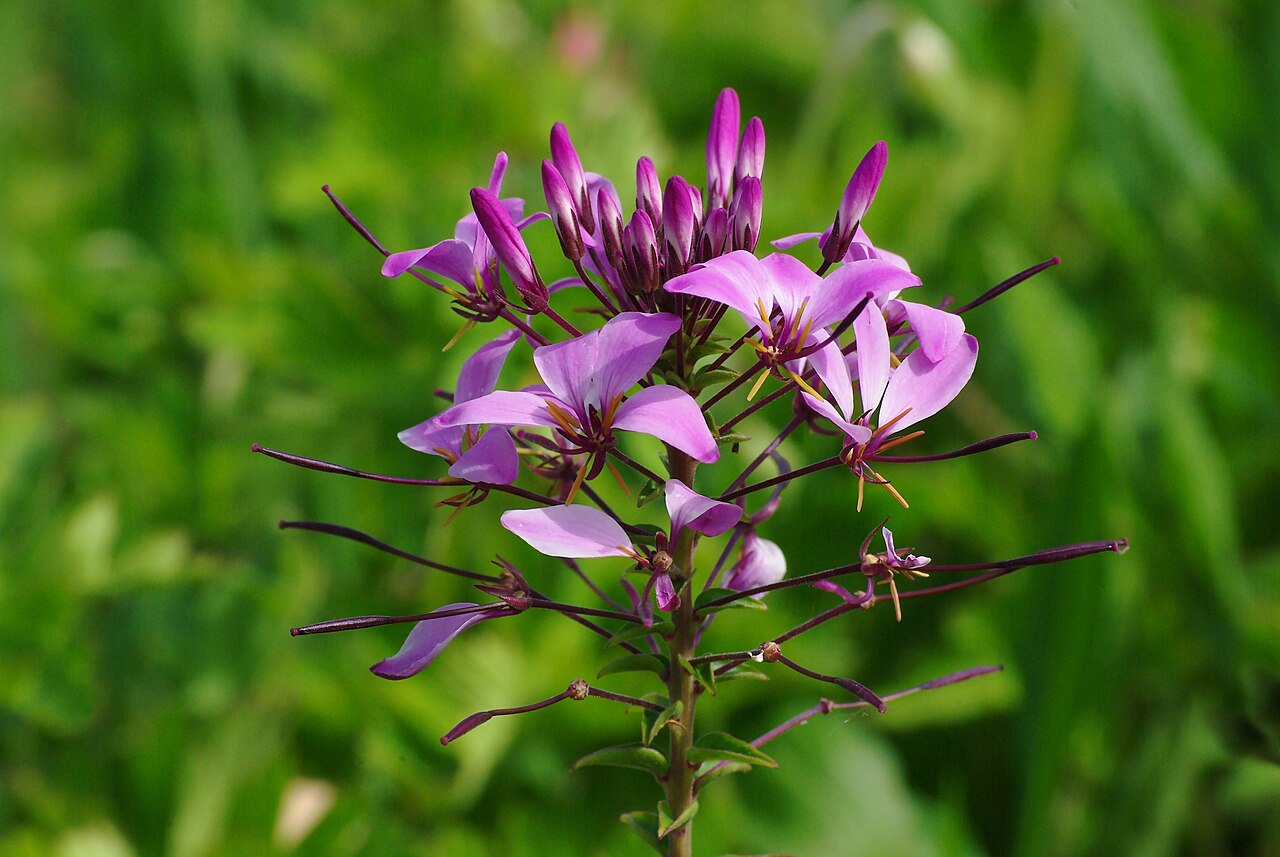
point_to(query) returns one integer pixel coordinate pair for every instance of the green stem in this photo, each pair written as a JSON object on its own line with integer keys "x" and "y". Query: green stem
{"x": 681, "y": 685}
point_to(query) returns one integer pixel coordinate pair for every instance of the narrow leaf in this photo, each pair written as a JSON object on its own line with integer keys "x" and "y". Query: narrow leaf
{"x": 666, "y": 823}
{"x": 723, "y": 747}
{"x": 626, "y": 756}
{"x": 743, "y": 672}
{"x": 710, "y": 595}
{"x": 669, "y": 715}
{"x": 703, "y": 674}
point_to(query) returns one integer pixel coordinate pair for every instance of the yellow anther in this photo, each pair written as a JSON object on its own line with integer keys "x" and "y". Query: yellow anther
{"x": 755, "y": 388}
{"x": 467, "y": 325}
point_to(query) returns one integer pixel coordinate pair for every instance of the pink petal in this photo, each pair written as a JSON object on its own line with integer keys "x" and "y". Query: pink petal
{"x": 431, "y": 436}
{"x": 872, "y": 337}
{"x": 735, "y": 279}
{"x": 569, "y": 531}
{"x": 568, "y": 366}
{"x": 479, "y": 374}
{"x": 939, "y": 331}
{"x": 926, "y": 387}
{"x": 427, "y": 640}
{"x": 856, "y": 433}
{"x": 791, "y": 283}
{"x": 499, "y": 408}
{"x": 492, "y": 459}
{"x": 450, "y": 258}
{"x": 848, "y": 284}
{"x": 672, "y": 416}
{"x": 630, "y": 343}
{"x": 836, "y": 589}
{"x": 688, "y": 508}
{"x": 665, "y": 592}
{"x": 762, "y": 563}
{"x": 786, "y": 242}
{"x": 829, "y": 363}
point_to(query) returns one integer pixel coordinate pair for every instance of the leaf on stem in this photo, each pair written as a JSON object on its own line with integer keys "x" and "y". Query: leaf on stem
{"x": 635, "y": 632}
{"x": 625, "y": 756}
{"x": 635, "y": 663}
{"x": 645, "y": 825}
{"x": 667, "y": 824}
{"x": 723, "y": 747}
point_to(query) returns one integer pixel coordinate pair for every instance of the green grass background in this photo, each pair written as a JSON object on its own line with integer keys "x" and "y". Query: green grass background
{"x": 174, "y": 287}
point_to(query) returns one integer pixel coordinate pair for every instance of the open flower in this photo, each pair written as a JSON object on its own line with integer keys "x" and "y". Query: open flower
{"x": 468, "y": 258}
{"x": 489, "y": 457}
{"x": 584, "y": 398}
{"x": 917, "y": 389}
{"x": 791, "y": 306}
{"x": 581, "y": 532}
{"x": 761, "y": 563}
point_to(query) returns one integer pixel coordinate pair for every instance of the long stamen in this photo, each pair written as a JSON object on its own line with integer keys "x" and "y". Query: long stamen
{"x": 467, "y": 325}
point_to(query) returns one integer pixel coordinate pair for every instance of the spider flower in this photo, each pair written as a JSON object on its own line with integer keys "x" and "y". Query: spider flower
{"x": 584, "y": 396}
{"x": 490, "y": 457}
{"x": 581, "y": 532}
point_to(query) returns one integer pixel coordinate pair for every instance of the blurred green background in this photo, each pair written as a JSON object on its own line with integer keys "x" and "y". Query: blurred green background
{"x": 174, "y": 287}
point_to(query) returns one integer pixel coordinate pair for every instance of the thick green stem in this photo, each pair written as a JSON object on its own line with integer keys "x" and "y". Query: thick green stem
{"x": 681, "y": 686}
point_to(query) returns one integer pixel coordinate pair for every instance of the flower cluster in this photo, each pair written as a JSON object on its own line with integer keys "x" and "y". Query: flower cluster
{"x": 699, "y": 332}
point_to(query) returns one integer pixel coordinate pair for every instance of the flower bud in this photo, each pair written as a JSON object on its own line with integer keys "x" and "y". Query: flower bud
{"x": 857, "y": 198}
{"x": 750, "y": 152}
{"x": 648, "y": 190}
{"x": 679, "y": 225}
{"x": 565, "y": 157}
{"x": 640, "y": 247}
{"x": 722, "y": 145}
{"x": 715, "y": 233}
{"x": 560, "y": 206}
{"x": 745, "y": 214}
{"x": 609, "y": 214}
{"x": 509, "y": 246}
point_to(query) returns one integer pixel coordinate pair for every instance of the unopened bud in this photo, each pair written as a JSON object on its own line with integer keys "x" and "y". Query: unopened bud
{"x": 640, "y": 247}
{"x": 679, "y": 225}
{"x": 715, "y": 235}
{"x": 648, "y": 190}
{"x": 745, "y": 214}
{"x": 857, "y": 198}
{"x": 722, "y": 145}
{"x": 770, "y": 652}
{"x": 566, "y": 159}
{"x": 560, "y": 206}
{"x": 610, "y": 216}
{"x": 750, "y": 152}
{"x": 510, "y": 248}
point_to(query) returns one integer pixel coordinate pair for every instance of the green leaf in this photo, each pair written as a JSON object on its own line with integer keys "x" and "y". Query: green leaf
{"x": 704, "y": 378}
{"x": 723, "y": 747}
{"x": 636, "y": 632}
{"x": 645, "y": 825}
{"x": 626, "y": 756}
{"x": 668, "y": 715}
{"x": 666, "y": 823}
{"x": 635, "y": 663}
{"x": 743, "y": 671}
{"x": 714, "y": 594}
{"x": 703, "y": 674}
{"x": 731, "y": 437}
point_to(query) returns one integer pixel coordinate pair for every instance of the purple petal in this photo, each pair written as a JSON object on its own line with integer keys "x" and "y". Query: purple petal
{"x": 910, "y": 561}
{"x": 722, "y": 147}
{"x": 569, "y": 531}
{"x": 679, "y": 220}
{"x": 500, "y": 408}
{"x": 495, "y": 177}
{"x": 864, "y": 248}
{"x": 786, "y": 242}
{"x": 862, "y": 186}
{"x": 939, "y": 331}
{"x": 479, "y": 374}
{"x": 688, "y": 508}
{"x": 762, "y": 563}
{"x": 751, "y": 151}
{"x": 431, "y": 437}
{"x": 850, "y": 283}
{"x": 566, "y": 160}
{"x": 672, "y": 416}
{"x": 630, "y": 343}
{"x": 925, "y": 387}
{"x": 648, "y": 190}
{"x": 872, "y": 337}
{"x": 831, "y": 367}
{"x": 855, "y": 432}
{"x": 836, "y": 589}
{"x": 735, "y": 279}
{"x": 492, "y": 459}
{"x": 792, "y": 283}
{"x": 427, "y": 640}
{"x": 568, "y": 367}
{"x": 502, "y": 233}
{"x": 450, "y": 258}
{"x": 665, "y": 592}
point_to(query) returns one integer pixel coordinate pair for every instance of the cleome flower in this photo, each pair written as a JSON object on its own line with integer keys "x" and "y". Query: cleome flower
{"x": 585, "y": 394}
